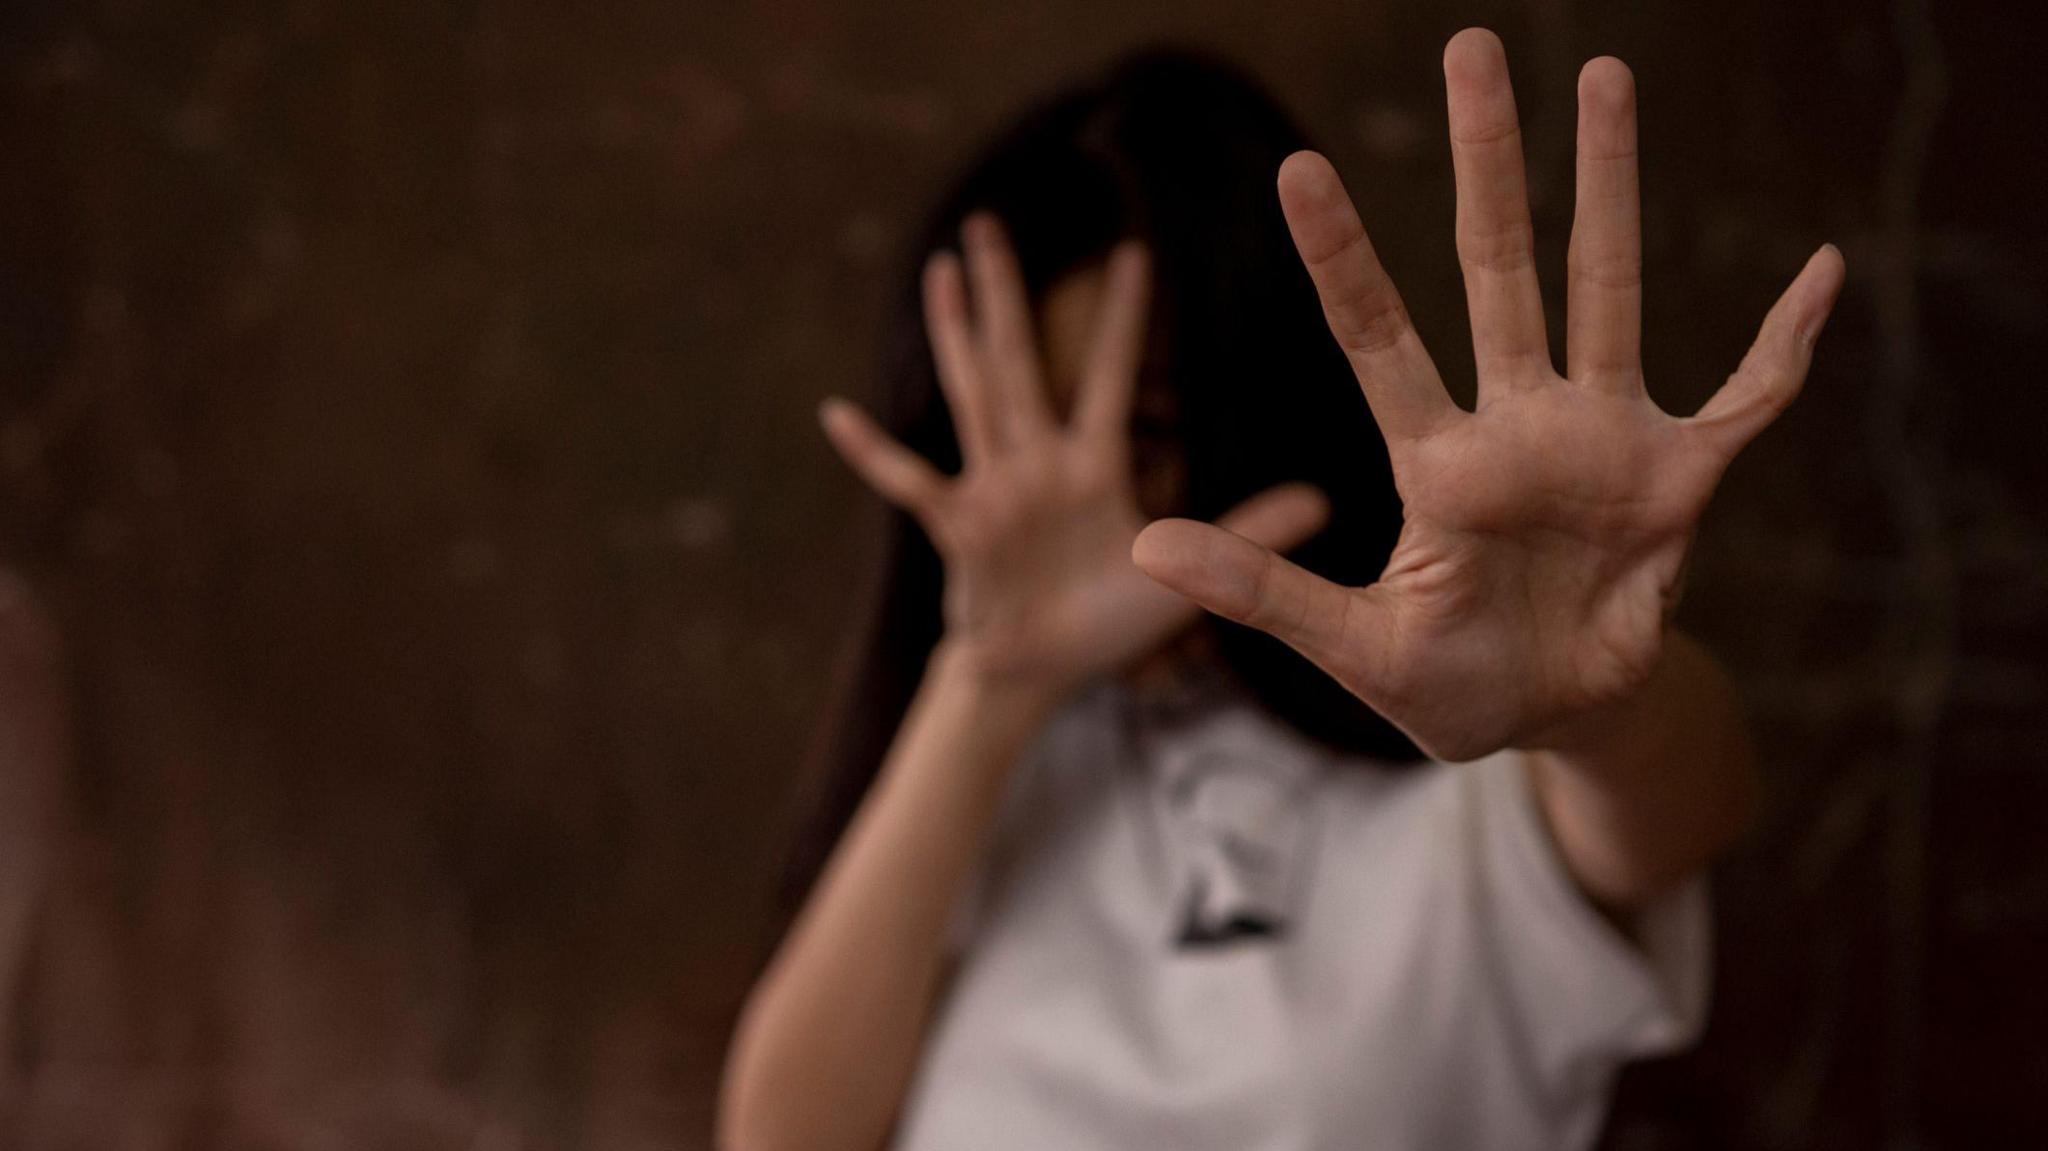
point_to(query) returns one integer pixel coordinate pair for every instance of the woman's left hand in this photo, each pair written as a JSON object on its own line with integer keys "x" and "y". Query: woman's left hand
{"x": 1545, "y": 532}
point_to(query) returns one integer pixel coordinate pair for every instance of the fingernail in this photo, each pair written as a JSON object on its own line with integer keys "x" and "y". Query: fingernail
{"x": 1811, "y": 325}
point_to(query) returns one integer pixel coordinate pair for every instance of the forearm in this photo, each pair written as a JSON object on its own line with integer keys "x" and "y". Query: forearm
{"x": 830, "y": 1037}
{"x": 1642, "y": 793}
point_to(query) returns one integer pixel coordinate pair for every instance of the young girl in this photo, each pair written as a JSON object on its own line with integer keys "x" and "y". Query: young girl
{"x": 1119, "y": 881}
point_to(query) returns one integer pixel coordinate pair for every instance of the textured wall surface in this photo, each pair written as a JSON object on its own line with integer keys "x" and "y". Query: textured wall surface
{"x": 406, "y": 410}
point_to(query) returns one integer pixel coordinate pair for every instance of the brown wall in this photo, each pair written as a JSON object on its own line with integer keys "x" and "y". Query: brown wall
{"x": 406, "y": 408}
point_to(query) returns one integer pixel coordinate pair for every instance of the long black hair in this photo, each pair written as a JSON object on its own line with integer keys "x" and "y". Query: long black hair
{"x": 1179, "y": 151}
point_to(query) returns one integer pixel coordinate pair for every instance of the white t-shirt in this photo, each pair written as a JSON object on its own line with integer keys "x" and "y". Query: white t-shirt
{"x": 1205, "y": 932}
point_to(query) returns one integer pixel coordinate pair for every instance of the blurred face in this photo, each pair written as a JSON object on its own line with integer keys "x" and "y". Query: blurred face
{"x": 1066, "y": 325}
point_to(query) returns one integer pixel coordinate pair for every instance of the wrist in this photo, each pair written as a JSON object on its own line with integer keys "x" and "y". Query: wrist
{"x": 962, "y": 667}
{"x": 1601, "y": 727}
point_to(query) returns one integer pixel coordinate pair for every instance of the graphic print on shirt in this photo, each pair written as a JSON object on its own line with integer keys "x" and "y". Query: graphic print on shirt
{"x": 1238, "y": 819}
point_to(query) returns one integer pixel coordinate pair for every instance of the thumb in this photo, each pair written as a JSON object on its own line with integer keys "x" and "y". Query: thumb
{"x": 1231, "y": 569}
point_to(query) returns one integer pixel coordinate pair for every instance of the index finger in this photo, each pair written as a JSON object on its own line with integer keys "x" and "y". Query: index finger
{"x": 1360, "y": 304}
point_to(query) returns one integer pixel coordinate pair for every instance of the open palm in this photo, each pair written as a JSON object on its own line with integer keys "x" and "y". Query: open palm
{"x": 1545, "y": 531}
{"x": 1036, "y": 530}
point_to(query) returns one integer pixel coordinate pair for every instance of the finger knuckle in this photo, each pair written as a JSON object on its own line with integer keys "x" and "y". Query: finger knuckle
{"x": 1371, "y": 323}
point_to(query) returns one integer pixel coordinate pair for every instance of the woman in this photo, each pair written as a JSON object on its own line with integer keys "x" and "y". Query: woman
{"x": 1116, "y": 881}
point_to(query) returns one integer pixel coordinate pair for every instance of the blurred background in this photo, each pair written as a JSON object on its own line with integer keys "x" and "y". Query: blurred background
{"x": 406, "y": 418}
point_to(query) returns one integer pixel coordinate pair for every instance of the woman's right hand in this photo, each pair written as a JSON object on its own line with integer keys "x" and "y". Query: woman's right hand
{"x": 1036, "y": 530}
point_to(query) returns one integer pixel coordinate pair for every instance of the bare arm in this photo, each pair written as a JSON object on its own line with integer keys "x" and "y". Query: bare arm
{"x": 1526, "y": 603}
{"x": 1641, "y": 793}
{"x": 1041, "y": 595}
{"x": 831, "y": 1036}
